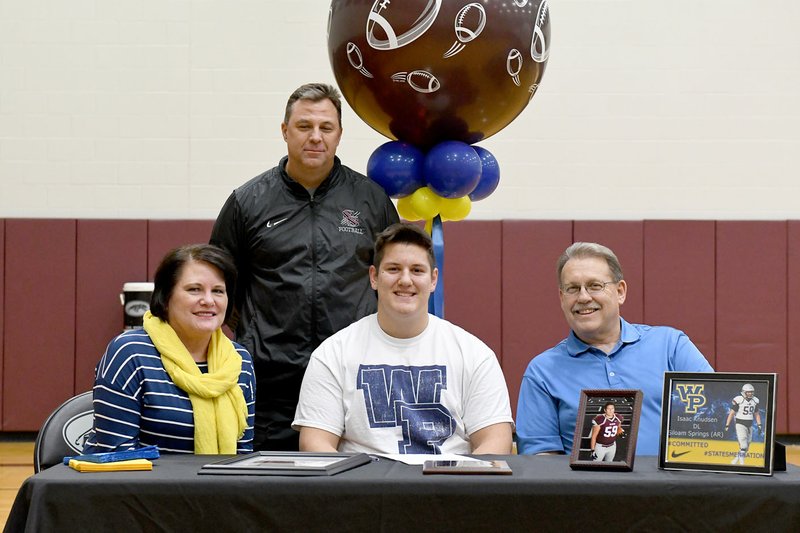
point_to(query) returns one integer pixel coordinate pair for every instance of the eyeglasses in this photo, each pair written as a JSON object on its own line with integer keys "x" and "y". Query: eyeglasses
{"x": 593, "y": 287}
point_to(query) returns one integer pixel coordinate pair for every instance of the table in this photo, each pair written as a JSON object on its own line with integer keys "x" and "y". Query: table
{"x": 542, "y": 494}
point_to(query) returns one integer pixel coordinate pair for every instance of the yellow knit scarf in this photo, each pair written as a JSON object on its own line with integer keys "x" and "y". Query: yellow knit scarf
{"x": 220, "y": 412}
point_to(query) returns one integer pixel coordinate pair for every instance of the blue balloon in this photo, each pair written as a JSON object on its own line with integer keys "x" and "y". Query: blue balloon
{"x": 397, "y": 167}
{"x": 490, "y": 175}
{"x": 452, "y": 169}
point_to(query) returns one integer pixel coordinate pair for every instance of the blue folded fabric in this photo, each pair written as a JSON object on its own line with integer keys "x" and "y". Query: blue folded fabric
{"x": 147, "y": 452}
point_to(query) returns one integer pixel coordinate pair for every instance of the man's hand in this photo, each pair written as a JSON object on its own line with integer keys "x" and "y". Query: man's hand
{"x": 594, "y": 455}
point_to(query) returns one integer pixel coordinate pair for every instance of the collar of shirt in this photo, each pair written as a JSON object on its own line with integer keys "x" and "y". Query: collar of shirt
{"x": 628, "y": 335}
{"x": 300, "y": 191}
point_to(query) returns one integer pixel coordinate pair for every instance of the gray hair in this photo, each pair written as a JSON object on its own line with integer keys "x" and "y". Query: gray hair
{"x": 590, "y": 249}
{"x": 314, "y": 92}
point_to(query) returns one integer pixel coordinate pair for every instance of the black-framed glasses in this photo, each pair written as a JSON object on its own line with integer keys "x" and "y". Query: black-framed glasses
{"x": 593, "y": 287}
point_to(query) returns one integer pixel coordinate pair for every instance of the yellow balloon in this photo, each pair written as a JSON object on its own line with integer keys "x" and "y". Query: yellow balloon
{"x": 405, "y": 210}
{"x": 425, "y": 202}
{"x": 455, "y": 208}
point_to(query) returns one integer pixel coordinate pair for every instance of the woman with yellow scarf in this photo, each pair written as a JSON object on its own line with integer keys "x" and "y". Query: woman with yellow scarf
{"x": 179, "y": 383}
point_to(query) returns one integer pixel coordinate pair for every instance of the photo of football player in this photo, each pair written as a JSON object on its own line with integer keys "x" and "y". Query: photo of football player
{"x": 744, "y": 408}
{"x": 605, "y": 429}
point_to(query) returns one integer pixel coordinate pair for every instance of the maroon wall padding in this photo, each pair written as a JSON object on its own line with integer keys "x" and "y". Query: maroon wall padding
{"x": 532, "y": 317}
{"x": 751, "y": 302}
{"x": 110, "y": 253}
{"x": 679, "y": 274}
{"x": 39, "y": 352}
{"x": 728, "y": 284}
{"x": 792, "y": 378}
{"x": 2, "y": 294}
{"x": 626, "y": 240}
{"x": 472, "y": 276}
{"x": 164, "y": 235}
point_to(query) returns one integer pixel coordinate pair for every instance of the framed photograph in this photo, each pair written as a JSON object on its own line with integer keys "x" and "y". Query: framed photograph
{"x": 287, "y": 464}
{"x": 606, "y": 430}
{"x": 718, "y": 422}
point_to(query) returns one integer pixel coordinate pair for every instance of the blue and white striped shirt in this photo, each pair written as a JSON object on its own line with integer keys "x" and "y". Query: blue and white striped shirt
{"x": 137, "y": 404}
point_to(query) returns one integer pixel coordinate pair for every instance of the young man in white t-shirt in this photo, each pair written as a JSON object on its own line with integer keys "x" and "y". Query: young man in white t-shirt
{"x": 401, "y": 380}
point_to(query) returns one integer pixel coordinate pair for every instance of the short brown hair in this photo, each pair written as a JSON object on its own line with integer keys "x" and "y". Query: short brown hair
{"x": 314, "y": 92}
{"x": 403, "y": 233}
{"x": 169, "y": 270}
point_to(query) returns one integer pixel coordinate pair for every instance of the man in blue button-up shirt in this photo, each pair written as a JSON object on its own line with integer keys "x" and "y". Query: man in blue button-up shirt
{"x": 602, "y": 351}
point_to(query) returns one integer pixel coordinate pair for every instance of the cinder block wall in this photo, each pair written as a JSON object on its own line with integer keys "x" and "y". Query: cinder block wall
{"x": 159, "y": 108}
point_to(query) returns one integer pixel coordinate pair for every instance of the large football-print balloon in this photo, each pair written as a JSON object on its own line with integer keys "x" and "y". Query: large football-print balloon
{"x": 426, "y": 71}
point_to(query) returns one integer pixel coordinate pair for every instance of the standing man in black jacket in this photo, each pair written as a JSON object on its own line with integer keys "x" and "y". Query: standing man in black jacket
{"x": 302, "y": 235}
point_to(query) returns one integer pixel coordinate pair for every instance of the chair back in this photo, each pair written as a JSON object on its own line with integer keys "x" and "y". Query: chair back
{"x": 64, "y": 432}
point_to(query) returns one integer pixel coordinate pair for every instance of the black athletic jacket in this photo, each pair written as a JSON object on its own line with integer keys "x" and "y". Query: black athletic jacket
{"x": 303, "y": 265}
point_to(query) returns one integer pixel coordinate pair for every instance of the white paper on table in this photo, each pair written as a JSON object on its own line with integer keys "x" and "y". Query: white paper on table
{"x": 420, "y": 458}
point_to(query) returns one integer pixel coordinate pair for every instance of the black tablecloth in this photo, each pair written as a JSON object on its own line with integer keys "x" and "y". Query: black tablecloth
{"x": 542, "y": 494}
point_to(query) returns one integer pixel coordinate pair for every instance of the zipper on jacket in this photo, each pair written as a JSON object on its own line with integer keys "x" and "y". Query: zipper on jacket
{"x": 313, "y": 325}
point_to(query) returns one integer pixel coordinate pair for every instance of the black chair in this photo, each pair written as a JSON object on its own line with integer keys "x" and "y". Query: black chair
{"x": 64, "y": 432}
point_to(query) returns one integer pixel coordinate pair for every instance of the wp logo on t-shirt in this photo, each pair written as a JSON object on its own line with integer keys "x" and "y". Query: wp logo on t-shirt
{"x": 408, "y": 397}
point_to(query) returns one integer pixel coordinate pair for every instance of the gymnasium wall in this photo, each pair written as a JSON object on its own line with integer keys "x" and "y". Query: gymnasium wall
{"x": 648, "y": 109}
{"x": 669, "y": 131}
{"x": 727, "y": 284}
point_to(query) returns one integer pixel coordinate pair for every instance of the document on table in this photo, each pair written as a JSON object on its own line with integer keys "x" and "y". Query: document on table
{"x": 420, "y": 458}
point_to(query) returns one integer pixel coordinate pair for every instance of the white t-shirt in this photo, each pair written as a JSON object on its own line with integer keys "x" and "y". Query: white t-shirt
{"x": 380, "y": 394}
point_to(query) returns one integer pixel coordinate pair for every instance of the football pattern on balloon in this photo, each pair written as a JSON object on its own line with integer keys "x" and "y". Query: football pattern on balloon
{"x": 514, "y": 65}
{"x": 441, "y": 71}
{"x": 469, "y": 23}
{"x": 532, "y": 90}
{"x": 419, "y": 80}
{"x": 356, "y": 59}
{"x": 539, "y": 50}
{"x": 380, "y": 19}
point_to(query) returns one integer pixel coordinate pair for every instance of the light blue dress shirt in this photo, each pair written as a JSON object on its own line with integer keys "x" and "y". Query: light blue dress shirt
{"x": 550, "y": 393}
